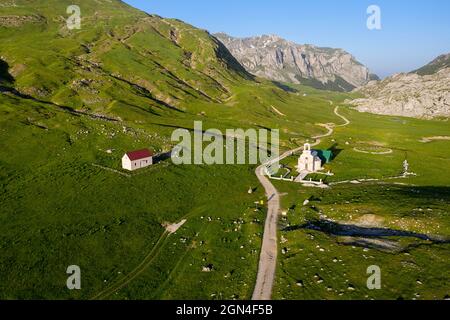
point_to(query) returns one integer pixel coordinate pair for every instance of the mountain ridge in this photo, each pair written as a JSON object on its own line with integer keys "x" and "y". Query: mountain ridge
{"x": 278, "y": 59}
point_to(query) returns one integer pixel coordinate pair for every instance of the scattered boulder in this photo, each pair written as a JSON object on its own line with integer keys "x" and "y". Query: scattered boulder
{"x": 410, "y": 95}
{"x": 208, "y": 268}
{"x": 18, "y": 21}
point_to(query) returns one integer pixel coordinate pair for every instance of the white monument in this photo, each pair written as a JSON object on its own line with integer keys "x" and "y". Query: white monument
{"x": 309, "y": 161}
{"x": 405, "y": 167}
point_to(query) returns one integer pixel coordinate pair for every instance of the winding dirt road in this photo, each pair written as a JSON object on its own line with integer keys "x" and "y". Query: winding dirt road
{"x": 269, "y": 249}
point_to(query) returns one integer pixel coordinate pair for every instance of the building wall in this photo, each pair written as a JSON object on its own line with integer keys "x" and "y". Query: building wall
{"x": 127, "y": 164}
{"x": 310, "y": 163}
{"x": 142, "y": 163}
{"x": 309, "y": 160}
{"x": 317, "y": 164}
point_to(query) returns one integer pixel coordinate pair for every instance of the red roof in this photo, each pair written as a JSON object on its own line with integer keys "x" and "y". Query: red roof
{"x": 139, "y": 154}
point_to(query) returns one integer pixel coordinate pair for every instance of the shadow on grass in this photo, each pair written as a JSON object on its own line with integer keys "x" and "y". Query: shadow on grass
{"x": 5, "y": 76}
{"x": 400, "y": 198}
{"x": 336, "y": 229}
{"x": 335, "y": 150}
{"x": 409, "y": 201}
{"x": 441, "y": 194}
{"x": 162, "y": 157}
{"x": 18, "y": 94}
{"x": 284, "y": 87}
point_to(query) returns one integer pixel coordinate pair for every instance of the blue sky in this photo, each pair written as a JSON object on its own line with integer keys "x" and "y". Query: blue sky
{"x": 413, "y": 31}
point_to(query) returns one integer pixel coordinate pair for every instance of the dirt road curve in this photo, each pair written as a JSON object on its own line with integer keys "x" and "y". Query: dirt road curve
{"x": 269, "y": 249}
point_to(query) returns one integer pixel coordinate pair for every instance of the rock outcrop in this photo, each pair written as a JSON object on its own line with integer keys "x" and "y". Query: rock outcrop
{"x": 18, "y": 21}
{"x": 410, "y": 95}
{"x": 280, "y": 60}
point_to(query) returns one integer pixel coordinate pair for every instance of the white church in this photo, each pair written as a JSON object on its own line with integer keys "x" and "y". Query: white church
{"x": 309, "y": 161}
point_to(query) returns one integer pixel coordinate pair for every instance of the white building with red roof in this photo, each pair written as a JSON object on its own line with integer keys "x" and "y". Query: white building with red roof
{"x": 138, "y": 159}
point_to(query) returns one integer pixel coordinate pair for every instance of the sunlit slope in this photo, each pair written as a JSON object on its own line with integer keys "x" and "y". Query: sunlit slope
{"x": 132, "y": 66}
{"x": 118, "y": 54}
{"x": 64, "y": 202}
{"x": 73, "y": 102}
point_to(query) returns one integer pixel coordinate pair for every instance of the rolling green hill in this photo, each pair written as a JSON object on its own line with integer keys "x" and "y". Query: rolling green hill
{"x": 73, "y": 101}
{"x": 128, "y": 65}
{"x": 119, "y": 56}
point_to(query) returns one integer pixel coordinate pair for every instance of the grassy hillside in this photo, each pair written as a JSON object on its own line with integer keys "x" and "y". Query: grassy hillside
{"x": 121, "y": 57}
{"x": 134, "y": 67}
{"x": 71, "y": 108}
{"x": 73, "y": 101}
{"x": 434, "y": 66}
{"x": 60, "y": 208}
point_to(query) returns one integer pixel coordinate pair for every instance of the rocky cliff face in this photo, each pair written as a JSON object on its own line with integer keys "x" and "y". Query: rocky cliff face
{"x": 410, "y": 95}
{"x": 280, "y": 60}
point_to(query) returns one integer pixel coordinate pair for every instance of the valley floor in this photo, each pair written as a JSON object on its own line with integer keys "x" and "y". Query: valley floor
{"x": 61, "y": 207}
{"x": 330, "y": 238}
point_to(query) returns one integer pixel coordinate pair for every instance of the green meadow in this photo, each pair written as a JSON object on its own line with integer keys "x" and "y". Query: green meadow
{"x": 401, "y": 225}
{"x": 66, "y": 201}
{"x": 58, "y": 209}
{"x": 71, "y": 108}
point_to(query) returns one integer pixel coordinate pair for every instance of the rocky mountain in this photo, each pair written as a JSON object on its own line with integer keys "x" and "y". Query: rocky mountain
{"x": 277, "y": 59}
{"x": 424, "y": 93}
